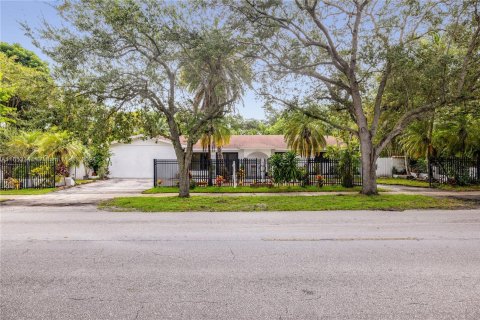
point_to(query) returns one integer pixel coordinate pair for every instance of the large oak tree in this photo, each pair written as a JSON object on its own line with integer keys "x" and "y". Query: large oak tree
{"x": 329, "y": 58}
{"x": 145, "y": 53}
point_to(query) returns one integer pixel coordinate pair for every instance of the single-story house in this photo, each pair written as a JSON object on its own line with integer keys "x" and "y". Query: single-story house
{"x": 135, "y": 159}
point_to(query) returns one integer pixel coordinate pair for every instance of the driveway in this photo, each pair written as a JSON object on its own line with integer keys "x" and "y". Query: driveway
{"x": 89, "y": 193}
{"x": 84, "y": 264}
{"x": 111, "y": 186}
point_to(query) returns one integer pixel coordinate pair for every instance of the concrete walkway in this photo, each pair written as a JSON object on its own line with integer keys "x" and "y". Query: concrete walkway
{"x": 93, "y": 193}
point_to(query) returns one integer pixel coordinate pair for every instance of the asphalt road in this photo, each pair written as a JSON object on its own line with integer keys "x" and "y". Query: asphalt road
{"x": 77, "y": 263}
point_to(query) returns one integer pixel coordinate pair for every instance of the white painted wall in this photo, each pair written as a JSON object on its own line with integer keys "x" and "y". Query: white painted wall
{"x": 386, "y": 165}
{"x": 135, "y": 160}
{"x": 79, "y": 172}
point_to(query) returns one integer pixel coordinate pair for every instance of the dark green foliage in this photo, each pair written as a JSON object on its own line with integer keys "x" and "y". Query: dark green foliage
{"x": 23, "y": 56}
{"x": 98, "y": 159}
{"x": 283, "y": 167}
{"x": 348, "y": 162}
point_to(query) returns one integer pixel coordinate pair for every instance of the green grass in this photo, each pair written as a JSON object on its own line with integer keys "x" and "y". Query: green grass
{"x": 458, "y": 188}
{"x": 26, "y": 191}
{"x": 84, "y": 181}
{"x": 247, "y": 189}
{"x": 280, "y": 203}
{"x": 425, "y": 184}
{"x": 403, "y": 182}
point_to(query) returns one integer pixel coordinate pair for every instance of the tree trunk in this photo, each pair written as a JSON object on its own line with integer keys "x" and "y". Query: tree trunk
{"x": 209, "y": 164}
{"x": 407, "y": 167}
{"x": 184, "y": 159}
{"x": 184, "y": 181}
{"x": 369, "y": 179}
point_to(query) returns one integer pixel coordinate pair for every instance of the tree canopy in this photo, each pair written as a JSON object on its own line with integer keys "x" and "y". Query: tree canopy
{"x": 171, "y": 57}
{"x": 351, "y": 56}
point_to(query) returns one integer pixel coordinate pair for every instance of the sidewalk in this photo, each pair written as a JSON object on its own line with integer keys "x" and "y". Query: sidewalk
{"x": 71, "y": 198}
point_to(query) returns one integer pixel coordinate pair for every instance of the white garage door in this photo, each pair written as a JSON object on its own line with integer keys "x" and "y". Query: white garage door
{"x": 135, "y": 160}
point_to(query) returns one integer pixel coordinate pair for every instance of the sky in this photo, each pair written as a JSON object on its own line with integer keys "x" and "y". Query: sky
{"x": 16, "y": 11}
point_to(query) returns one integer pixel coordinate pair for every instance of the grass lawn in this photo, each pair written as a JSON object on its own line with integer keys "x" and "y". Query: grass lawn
{"x": 248, "y": 189}
{"x": 458, "y": 188}
{"x": 425, "y": 184}
{"x": 403, "y": 182}
{"x": 26, "y": 191}
{"x": 84, "y": 181}
{"x": 285, "y": 203}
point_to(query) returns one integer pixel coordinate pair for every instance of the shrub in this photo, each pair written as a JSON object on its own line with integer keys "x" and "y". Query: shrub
{"x": 303, "y": 176}
{"x": 13, "y": 183}
{"x": 420, "y": 166}
{"x": 42, "y": 171}
{"x": 320, "y": 181}
{"x": 219, "y": 181}
{"x": 283, "y": 167}
{"x": 97, "y": 160}
{"x": 348, "y": 162}
{"x": 62, "y": 169}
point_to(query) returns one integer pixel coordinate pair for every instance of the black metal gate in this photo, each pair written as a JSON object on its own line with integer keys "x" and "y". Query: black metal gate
{"x": 248, "y": 171}
{"x": 20, "y": 173}
{"x": 454, "y": 171}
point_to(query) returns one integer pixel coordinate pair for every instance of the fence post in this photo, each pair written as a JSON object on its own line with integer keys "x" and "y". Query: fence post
{"x": 430, "y": 173}
{"x": 234, "y": 175}
{"x": 209, "y": 172}
{"x": 54, "y": 171}
{"x": 27, "y": 174}
{"x": 478, "y": 169}
{"x": 154, "y": 173}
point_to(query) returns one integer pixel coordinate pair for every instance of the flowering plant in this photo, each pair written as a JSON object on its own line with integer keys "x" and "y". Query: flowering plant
{"x": 319, "y": 180}
{"x": 219, "y": 180}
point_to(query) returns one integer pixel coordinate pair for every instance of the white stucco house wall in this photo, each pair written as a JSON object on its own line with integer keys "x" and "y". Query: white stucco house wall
{"x": 135, "y": 159}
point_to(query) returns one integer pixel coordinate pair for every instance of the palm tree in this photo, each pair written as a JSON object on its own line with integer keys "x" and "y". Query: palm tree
{"x": 61, "y": 145}
{"x": 217, "y": 135}
{"x": 217, "y": 81}
{"x": 304, "y": 135}
{"x": 457, "y": 135}
{"x": 416, "y": 140}
{"x": 21, "y": 144}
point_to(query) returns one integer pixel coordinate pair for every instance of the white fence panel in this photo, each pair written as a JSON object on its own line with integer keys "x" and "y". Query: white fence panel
{"x": 384, "y": 167}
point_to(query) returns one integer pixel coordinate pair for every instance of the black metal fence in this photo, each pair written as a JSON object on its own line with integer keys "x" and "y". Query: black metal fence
{"x": 454, "y": 171}
{"x": 249, "y": 172}
{"x": 20, "y": 173}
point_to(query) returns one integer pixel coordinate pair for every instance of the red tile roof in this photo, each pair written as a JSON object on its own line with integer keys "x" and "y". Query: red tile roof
{"x": 276, "y": 142}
